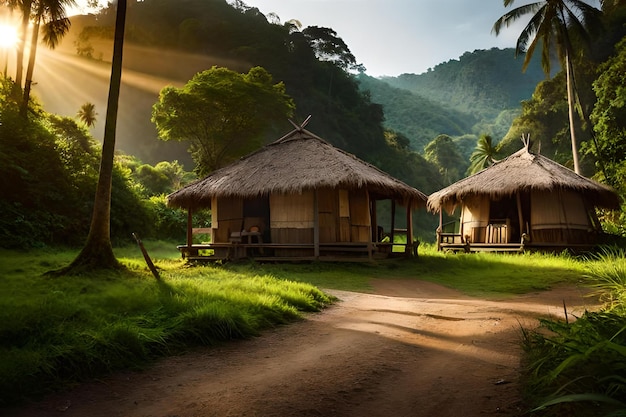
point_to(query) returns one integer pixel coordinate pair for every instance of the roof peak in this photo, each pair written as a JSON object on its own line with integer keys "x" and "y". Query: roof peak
{"x": 298, "y": 133}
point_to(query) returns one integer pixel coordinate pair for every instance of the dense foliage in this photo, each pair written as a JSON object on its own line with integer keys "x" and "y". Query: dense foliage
{"x": 47, "y": 175}
{"x": 222, "y": 114}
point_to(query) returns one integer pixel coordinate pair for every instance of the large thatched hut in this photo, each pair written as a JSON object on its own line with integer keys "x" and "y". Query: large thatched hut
{"x": 297, "y": 198}
{"x": 523, "y": 201}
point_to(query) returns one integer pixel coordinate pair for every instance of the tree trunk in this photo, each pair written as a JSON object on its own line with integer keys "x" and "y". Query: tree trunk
{"x": 570, "y": 105}
{"x": 21, "y": 46}
{"x": 30, "y": 68}
{"x": 98, "y": 251}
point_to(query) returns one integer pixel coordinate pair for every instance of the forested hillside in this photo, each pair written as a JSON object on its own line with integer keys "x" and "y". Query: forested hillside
{"x": 480, "y": 93}
{"x": 481, "y": 83}
{"x": 418, "y": 117}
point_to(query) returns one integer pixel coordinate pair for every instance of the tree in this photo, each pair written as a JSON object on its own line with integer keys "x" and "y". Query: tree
{"x": 24, "y": 6}
{"x": 329, "y": 47}
{"x": 55, "y": 25}
{"x": 609, "y": 117}
{"x": 483, "y": 156}
{"x": 98, "y": 251}
{"x": 444, "y": 154}
{"x": 223, "y": 114}
{"x": 87, "y": 114}
{"x": 553, "y": 22}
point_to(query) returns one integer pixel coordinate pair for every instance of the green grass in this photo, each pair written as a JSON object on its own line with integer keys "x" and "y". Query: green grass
{"x": 58, "y": 330}
{"x": 477, "y": 274}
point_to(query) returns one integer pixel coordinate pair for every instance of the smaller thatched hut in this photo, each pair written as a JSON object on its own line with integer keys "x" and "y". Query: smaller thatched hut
{"x": 297, "y": 198}
{"x": 523, "y": 201}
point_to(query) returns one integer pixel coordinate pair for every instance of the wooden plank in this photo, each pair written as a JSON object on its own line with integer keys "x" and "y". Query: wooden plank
{"x": 292, "y": 210}
{"x": 201, "y": 230}
{"x": 359, "y": 208}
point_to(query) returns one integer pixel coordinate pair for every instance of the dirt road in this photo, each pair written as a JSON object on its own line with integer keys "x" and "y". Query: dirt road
{"x": 411, "y": 349}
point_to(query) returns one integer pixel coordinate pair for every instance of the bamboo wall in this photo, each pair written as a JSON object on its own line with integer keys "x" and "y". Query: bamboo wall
{"x": 343, "y": 216}
{"x": 559, "y": 217}
{"x": 360, "y": 220}
{"x": 291, "y": 221}
{"x": 226, "y": 217}
{"x": 328, "y": 207}
{"x": 474, "y": 219}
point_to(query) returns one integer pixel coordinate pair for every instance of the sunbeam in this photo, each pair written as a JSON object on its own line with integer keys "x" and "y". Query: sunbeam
{"x": 63, "y": 82}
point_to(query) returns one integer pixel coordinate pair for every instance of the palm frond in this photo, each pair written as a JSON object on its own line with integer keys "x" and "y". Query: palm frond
{"x": 511, "y": 17}
{"x": 529, "y": 34}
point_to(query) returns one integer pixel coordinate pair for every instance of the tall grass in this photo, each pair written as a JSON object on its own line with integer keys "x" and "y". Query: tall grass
{"x": 607, "y": 274}
{"x": 579, "y": 369}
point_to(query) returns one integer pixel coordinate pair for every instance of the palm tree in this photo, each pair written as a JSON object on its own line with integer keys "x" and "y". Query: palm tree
{"x": 551, "y": 22}
{"x": 98, "y": 251}
{"x": 24, "y": 6}
{"x": 87, "y": 114}
{"x": 55, "y": 25}
{"x": 483, "y": 155}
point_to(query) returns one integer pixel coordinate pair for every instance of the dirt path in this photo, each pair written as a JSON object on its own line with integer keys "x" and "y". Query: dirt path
{"x": 412, "y": 349}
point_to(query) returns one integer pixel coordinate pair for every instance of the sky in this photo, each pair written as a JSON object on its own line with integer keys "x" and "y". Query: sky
{"x": 393, "y": 37}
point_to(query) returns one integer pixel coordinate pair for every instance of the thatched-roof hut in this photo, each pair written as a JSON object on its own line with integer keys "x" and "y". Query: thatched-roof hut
{"x": 297, "y": 197}
{"x": 525, "y": 200}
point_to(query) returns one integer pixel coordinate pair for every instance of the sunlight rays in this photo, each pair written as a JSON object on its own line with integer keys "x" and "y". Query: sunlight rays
{"x": 8, "y": 36}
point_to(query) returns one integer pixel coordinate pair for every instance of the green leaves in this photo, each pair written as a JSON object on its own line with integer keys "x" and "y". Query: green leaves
{"x": 223, "y": 114}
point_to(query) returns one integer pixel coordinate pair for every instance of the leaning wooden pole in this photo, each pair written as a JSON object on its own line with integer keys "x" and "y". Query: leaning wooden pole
{"x": 144, "y": 252}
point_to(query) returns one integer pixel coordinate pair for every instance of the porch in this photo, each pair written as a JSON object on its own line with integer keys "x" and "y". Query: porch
{"x": 275, "y": 252}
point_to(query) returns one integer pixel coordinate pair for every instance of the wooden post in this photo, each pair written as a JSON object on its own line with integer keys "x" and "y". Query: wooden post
{"x": 374, "y": 220}
{"x": 520, "y": 215}
{"x": 440, "y": 229}
{"x": 189, "y": 229}
{"x": 409, "y": 229}
{"x": 369, "y": 244}
{"x": 393, "y": 222}
{"x": 316, "y": 225}
{"x": 461, "y": 224}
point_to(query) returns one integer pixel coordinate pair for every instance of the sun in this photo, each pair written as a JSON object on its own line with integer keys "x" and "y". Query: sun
{"x": 8, "y": 36}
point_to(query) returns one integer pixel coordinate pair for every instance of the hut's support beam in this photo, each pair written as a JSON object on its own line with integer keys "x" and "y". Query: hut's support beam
{"x": 408, "y": 251}
{"x": 316, "y": 225}
{"x": 520, "y": 214}
{"x": 374, "y": 221}
{"x": 371, "y": 221}
{"x": 189, "y": 228}
{"x": 440, "y": 229}
{"x": 461, "y": 224}
{"x": 393, "y": 220}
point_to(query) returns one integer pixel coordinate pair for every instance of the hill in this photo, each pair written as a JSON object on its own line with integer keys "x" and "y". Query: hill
{"x": 478, "y": 93}
{"x": 416, "y": 116}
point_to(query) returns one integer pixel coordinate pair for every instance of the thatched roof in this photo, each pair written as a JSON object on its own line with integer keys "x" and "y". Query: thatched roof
{"x": 296, "y": 162}
{"x": 522, "y": 171}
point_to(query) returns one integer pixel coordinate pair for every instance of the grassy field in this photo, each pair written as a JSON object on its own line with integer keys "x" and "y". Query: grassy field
{"x": 58, "y": 330}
